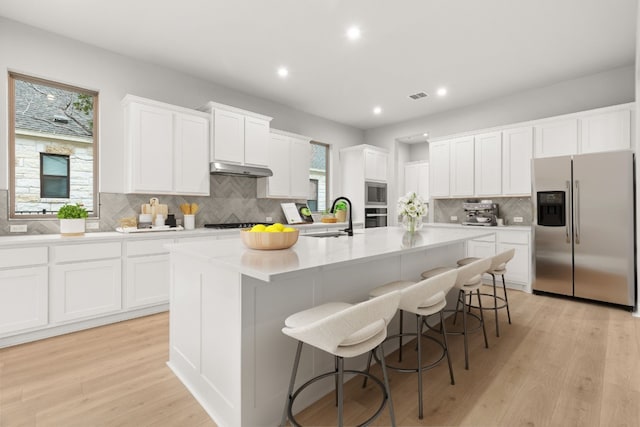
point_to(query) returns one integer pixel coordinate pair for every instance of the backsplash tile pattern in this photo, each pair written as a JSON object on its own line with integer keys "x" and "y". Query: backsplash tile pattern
{"x": 508, "y": 208}
{"x": 232, "y": 199}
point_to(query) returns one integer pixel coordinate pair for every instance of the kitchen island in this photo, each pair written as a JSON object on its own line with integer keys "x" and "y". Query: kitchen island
{"x": 228, "y": 305}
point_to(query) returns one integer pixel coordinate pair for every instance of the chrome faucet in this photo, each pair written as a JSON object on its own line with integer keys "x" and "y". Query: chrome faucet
{"x": 349, "y": 229}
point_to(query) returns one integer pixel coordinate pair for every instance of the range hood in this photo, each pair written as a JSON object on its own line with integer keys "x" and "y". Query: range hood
{"x": 239, "y": 170}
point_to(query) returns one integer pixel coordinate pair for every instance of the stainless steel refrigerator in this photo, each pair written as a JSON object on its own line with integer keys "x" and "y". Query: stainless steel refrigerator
{"x": 584, "y": 229}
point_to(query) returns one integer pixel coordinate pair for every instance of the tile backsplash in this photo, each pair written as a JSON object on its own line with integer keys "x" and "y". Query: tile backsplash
{"x": 232, "y": 199}
{"x": 508, "y": 208}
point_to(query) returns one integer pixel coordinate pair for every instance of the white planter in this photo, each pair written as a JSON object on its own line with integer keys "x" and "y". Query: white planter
{"x": 72, "y": 227}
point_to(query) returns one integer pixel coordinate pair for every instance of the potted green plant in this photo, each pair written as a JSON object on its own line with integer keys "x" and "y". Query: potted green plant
{"x": 72, "y": 219}
{"x": 340, "y": 211}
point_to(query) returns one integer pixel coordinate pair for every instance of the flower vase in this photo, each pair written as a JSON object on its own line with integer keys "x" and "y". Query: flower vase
{"x": 412, "y": 223}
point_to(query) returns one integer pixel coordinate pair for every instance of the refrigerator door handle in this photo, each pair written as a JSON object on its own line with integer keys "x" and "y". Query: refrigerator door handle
{"x": 576, "y": 206}
{"x": 566, "y": 228}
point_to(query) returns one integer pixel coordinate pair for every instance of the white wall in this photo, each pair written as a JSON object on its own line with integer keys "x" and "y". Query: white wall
{"x": 616, "y": 86}
{"x": 39, "y": 53}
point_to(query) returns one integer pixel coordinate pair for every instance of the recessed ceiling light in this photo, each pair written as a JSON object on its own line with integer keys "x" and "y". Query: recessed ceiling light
{"x": 353, "y": 33}
{"x": 425, "y": 134}
{"x": 283, "y": 72}
{"x": 377, "y": 110}
{"x": 442, "y": 91}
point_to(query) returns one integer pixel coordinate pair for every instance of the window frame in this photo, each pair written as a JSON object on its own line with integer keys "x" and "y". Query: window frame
{"x": 12, "y": 77}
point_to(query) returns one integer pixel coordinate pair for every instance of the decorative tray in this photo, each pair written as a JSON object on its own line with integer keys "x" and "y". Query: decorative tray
{"x": 148, "y": 230}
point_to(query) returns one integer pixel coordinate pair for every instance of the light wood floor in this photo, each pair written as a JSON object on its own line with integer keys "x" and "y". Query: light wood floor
{"x": 561, "y": 363}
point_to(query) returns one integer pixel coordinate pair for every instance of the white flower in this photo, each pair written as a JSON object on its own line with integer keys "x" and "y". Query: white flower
{"x": 412, "y": 205}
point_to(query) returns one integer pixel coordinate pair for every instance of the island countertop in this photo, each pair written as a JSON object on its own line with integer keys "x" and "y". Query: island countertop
{"x": 313, "y": 252}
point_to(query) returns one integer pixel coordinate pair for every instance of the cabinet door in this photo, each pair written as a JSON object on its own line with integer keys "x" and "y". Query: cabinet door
{"x": 228, "y": 137}
{"x": 279, "y": 163}
{"x": 23, "y": 299}
{"x": 256, "y": 141}
{"x": 375, "y": 166}
{"x": 85, "y": 289}
{"x": 558, "y": 138}
{"x": 411, "y": 178}
{"x": 488, "y": 164}
{"x": 439, "y": 171}
{"x": 300, "y": 166}
{"x": 519, "y": 266}
{"x": 462, "y": 166}
{"x": 191, "y": 155}
{"x": 480, "y": 248}
{"x": 416, "y": 178}
{"x": 151, "y": 151}
{"x": 606, "y": 132}
{"x": 517, "y": 152}
{"x": 147, "y": 280}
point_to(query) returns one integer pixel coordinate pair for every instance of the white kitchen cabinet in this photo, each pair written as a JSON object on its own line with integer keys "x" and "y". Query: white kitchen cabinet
{"x": 375, "y": 165}
{"x": 238, "y": 136}
{"x": 439, "y": 169}
{"x": 517, "y": 152}
{"x": 290, "y": 161}
{"x": 23, "y": 289}
{"x": 488, "y": 164}
{"x": 416, "y": 179}
{"x": 556, "y": 138}
{"x": 482, "y": 247}
{"x": 147, "y": 272}
{"x": 519, "y": 268}
{"x": 85, "y": 281}
{"x": 607, "y": 131}
{"x": 462, "y": 166}
{"x": 166, "y": 148}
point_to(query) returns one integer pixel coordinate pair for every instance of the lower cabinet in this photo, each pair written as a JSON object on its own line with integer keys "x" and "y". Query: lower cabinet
{"x": 24, "y": 299}
{"x": 482, "y": 248}
{"x": 85, "y": 289}
{"x": 147, "y": 273}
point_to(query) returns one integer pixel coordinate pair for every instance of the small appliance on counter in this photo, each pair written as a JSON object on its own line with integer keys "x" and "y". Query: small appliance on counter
{"x": 483, "y": 213}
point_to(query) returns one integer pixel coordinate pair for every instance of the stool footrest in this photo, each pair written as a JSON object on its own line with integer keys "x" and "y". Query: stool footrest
{"x": 423, "y": 367}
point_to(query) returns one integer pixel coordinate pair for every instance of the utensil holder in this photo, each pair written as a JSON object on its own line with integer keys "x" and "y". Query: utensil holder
{"x": 189, "y": 222}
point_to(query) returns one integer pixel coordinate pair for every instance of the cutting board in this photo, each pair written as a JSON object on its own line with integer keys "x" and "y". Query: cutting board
{"x": 154, "y": 207}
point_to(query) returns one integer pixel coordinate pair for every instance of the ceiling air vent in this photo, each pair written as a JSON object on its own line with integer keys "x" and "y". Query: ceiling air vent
{"x": 418, "y": 95}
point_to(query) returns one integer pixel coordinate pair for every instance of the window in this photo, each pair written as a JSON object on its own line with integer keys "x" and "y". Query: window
{"x": 319, "y": 177}
{"x": 54, "y": 176}
{"x": 53, "y": 145}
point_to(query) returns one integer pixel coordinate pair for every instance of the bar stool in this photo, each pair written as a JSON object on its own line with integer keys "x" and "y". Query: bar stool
{"x": 468, "y": 281}
{"x": 498, "y": 267}
{"x": 343, "y": 330}
{"x": 423, "y": 299}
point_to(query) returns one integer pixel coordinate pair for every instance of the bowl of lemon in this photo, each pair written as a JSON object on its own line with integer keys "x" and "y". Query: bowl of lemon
{"x": 269, "y": 237}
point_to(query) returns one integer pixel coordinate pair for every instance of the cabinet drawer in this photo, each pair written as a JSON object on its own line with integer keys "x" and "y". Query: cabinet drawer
{"x": 517, "y": 237}
{"x": 491, "y": 238}
{"x": 86, "y": 252}
{"x": 148, "y": 247}
{"x": 21, "y": 257}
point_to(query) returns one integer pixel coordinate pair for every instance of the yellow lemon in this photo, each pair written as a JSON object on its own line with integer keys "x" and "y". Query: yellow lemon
{"x": 258, "y": 227}
{"x": 272, "y": 229}
{"x": 278, "y": 226}
{"x": 288, "y": 229}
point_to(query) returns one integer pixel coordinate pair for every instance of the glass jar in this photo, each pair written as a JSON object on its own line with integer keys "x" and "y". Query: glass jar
{"x": 411, "y": 223}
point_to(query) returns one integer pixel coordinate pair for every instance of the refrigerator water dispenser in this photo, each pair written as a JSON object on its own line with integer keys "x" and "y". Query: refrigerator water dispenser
{"x": 551, "y": 208}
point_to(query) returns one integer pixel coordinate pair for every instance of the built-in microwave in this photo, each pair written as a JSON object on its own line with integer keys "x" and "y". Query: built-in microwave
{"x": 375, "y": 193}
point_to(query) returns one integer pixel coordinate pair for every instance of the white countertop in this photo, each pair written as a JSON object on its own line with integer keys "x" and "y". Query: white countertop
{"x": 313, "y": 252}
{"x": 14, "y": 240}
{"x": 495, "y": 228}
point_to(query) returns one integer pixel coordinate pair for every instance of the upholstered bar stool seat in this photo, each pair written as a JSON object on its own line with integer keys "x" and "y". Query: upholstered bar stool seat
{"x": 498, "y": 267}
{"x": 468, "y": 281}
{"x": 424, "y": 298}
{"x": 342, "y": 330}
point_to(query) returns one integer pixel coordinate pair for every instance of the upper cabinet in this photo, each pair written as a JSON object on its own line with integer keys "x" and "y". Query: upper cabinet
{"x": 488, "y": 164}
{"x": 462, "y": 166}
{"x": 289, "y": 158}
{"x": 166, "y": 148}
{"x": 517, "y": 152}
{"x": 375, "y": 165}
{"x": 606, "y": 131}
{"x": 416, "y": 178}
{"x": 238, "y": 136}
{"x": 557, "y": 138}
{"x": 439, "y": 168}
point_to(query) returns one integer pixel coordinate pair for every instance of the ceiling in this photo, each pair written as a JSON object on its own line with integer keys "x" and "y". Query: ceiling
{"x": 478, "y": 49}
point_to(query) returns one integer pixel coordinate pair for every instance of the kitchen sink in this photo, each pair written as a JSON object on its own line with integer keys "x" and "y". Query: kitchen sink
{"x": 327, "y": 234}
